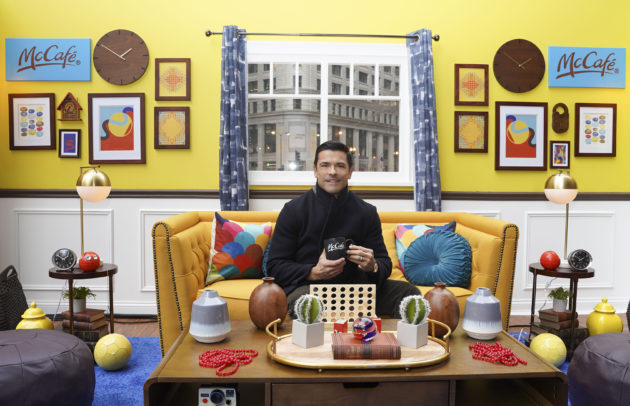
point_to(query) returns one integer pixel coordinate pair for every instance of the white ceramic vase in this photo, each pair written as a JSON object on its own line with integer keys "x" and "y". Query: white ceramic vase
{"x": 209, "y": 319}
{"x": 78, "y": 305}
{"x": 308, "y": 335}
{"x": 559, "y": 305}
{"x": 482, "y": 315}
{"x": 412, "y": 335}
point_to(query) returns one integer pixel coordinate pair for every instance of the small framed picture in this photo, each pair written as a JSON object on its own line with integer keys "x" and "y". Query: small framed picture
{"x": 116, "y": 123}
{"x": 521, "y": 136}
{"x": 172, "y": 128}
{"x": 559, "y": 154}
{"x": 471, "y": 131}
{"x": 172, "y": 79}
{"x": 32, "y": 121}
{"x": 471, "y": 85}
{"x": 595, "y": 129}
{"x": 69, "y": 143}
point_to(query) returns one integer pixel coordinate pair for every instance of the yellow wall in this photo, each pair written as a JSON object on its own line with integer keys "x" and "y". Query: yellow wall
{"x": 471, "y": 32}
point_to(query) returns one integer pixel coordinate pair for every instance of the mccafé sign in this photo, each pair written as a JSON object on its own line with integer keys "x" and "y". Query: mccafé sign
{"x": 587, "y": 67}
{"x": 48, "y": 59}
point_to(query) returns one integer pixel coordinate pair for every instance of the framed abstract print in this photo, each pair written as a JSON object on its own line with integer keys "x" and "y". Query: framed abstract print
{"x": 559, "y": 154}
{"x": 116, "y": 124}
{"x": 172, "y": 128}
{"x": 595, "y": 129}
{"x": 521, "y": 136}
{"x": 471, "y": 85}
{"x": 32, "y": 121}
{"x": 471, "y": 131}
{"x": 172, "y": 79}
{"x": 69, "y": 143}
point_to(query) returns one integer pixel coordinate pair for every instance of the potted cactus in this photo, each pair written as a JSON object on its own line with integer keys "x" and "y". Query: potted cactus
{"x": 308, "y": 329}
{"x": 413, "y": 329}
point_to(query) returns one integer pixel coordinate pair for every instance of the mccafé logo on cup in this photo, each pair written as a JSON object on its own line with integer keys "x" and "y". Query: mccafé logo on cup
{"x": 336, "y": 247}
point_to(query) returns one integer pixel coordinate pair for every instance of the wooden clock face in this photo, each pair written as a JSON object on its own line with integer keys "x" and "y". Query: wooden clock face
{"x": 519, "y": 66}
{"x": 121, "y": 57}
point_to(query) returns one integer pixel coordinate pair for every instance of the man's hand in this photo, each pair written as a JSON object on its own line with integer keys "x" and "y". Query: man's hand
{"x": 326, "y": 268}
{"x": 364, "y": 257}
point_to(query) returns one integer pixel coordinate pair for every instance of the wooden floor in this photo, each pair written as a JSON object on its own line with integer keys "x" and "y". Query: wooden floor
{"x": 148, "y": 327}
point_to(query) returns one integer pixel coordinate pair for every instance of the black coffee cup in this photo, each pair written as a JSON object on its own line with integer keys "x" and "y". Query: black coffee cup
{"x": 337, "y": 247}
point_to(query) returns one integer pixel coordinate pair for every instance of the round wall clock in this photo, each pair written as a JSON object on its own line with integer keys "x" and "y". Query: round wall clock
{"x": 579, "y": 259}
{"x": 519, "y": 66}
{"x": 64, "y": 259}
{"x": 121, "y": 57}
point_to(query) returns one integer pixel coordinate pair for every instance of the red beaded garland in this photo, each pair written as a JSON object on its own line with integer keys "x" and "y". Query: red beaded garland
{"x": 220, "y": 359}
{"x": 495, "y": 353}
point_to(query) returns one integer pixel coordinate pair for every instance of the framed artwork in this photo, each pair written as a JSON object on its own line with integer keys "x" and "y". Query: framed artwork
{"x": 116, "y": 124}
{"x": 69, "y": 143}
{"x": 172, "y": 79}
{"x": 172, "y": 128}
{"x": 32, "y": 121}
{"x": 471, "y": 131}
{"x": 559, "y": 154}
{"x": 471, "y": 85}
{"x": 521, "y": 136}
{"x": 595, "y": 129}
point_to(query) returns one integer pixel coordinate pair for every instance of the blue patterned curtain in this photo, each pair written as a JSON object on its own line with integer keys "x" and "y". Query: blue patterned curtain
{"x": 427, "y": 188}
{"x": 234, "y": 188}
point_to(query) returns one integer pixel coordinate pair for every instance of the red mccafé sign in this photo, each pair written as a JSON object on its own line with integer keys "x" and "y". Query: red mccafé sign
{"x": 587, "y": 67}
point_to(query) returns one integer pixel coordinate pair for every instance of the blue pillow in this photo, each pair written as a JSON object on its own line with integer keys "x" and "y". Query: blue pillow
{"x": 439, "y": 256}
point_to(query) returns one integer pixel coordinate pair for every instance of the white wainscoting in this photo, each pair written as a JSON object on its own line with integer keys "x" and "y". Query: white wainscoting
{"x": 119, "y": 229}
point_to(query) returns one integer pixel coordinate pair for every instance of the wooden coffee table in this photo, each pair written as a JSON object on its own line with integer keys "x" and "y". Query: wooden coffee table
{"x": 460, "y": 380}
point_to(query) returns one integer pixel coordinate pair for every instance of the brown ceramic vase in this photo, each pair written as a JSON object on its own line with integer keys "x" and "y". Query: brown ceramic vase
{"x": 267, "y": 303}
{"x": 444, "y": 307}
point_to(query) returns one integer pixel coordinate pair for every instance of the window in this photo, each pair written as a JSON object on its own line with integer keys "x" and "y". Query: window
{"x": 362, "y": 107}
{"x": 253, "y": 68}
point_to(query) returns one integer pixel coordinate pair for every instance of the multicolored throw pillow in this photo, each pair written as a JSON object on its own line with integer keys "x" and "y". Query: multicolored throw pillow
{"x": 237, "y": 249}
{"x": 407, "y": 233}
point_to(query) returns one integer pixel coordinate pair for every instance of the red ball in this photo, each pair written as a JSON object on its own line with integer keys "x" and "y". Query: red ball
{"x": 90, "y": 261}
{"x": 549, "y": 260}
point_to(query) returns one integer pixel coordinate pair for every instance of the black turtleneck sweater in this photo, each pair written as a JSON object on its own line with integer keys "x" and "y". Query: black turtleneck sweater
{"x": 303, "y": 225}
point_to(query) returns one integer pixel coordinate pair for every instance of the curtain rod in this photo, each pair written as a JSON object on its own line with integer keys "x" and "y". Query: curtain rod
{"x": 436, "y": 37}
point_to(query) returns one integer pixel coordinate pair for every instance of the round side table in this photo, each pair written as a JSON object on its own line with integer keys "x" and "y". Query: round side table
{"x": 77, "y": 273}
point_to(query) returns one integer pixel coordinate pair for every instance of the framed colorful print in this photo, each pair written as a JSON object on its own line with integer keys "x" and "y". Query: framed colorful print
{"x": 471, "y": 131}
{"x": 32, "y": 121}
{"x": 172, "y": 79}
{"x": 521, "y": 136}
{"x": 172, "y": 128}
{"x": 69, "y": 143}
{"x": 595, "y": 129}
{"x": 559, "y": 154}
{"x": 116, "y": 123}
{"x": 471, "y": 85}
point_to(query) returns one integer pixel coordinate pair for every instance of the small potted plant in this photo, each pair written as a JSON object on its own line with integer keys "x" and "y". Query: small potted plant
{"x": 560, "y": 296}
{"x": 79, "y": 294}
{"x": 308, "y": 329}
{"x": 413, "y": 329}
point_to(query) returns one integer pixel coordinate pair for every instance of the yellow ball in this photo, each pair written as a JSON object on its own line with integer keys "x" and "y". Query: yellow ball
{"x": 112, "y": 352}
{"x": 550, "y": 347}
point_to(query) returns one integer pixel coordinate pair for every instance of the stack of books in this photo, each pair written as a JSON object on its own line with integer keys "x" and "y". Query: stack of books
{"x": 89, "y": 325}
{"x": 558, "y": 323}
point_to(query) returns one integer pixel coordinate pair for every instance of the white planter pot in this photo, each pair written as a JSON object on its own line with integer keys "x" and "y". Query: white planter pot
{"x": 78, "y": 305}
{"x": 412, "y": 335}
{"x": 308, "y": 335}
{"x": 559, "y": 305}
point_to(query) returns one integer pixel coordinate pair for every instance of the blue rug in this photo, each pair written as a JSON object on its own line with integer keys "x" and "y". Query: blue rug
{"x": 125, "y": 386}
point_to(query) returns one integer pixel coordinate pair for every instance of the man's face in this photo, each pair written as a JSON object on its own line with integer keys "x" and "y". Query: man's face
{"x": 332, "y": 171}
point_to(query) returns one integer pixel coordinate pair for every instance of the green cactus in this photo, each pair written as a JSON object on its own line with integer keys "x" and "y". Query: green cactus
{"x": 414, "y": 309}
{"x": 309, "y": 309}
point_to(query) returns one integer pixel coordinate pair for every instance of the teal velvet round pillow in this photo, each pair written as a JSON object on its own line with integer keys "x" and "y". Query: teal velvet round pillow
{"x": 439, "y": 256}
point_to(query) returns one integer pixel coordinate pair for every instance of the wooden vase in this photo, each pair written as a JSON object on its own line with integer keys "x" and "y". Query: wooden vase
{"x": 267, "y": 303}
{"x": 444, "y": 307}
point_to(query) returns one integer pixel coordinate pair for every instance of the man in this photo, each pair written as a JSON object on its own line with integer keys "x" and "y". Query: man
{"x": 297, "y": 257}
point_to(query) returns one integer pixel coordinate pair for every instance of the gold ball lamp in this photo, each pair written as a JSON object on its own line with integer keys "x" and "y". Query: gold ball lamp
{"x": 93, "y": 185}
{"x": 561, "y": 188}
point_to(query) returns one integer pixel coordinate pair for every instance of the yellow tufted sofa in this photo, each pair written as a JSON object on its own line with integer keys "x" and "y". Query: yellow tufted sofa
{"x": 181, "y": 253}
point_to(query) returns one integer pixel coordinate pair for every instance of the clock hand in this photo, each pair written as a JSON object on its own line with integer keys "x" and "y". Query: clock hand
{"x": 513, "y": 60}
{"x": 112, "y": 52}
{"x": 129, "y": 50}
{"x": 520, "y": 64}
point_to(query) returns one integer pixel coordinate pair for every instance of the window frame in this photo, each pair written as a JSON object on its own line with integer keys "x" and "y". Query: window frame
{"x": 338, "y": 53}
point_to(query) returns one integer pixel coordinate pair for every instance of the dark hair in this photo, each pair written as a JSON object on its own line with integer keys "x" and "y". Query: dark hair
{"x": 334, "y": 146}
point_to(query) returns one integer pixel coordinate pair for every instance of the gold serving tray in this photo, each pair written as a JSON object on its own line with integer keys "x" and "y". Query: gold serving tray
{"x": 282, "y": 350}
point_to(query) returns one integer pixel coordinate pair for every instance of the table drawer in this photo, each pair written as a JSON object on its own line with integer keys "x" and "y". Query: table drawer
{"x": 365, "y": 394}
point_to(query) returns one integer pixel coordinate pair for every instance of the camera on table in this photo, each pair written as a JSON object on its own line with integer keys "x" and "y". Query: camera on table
{"x": 215, "y": 395}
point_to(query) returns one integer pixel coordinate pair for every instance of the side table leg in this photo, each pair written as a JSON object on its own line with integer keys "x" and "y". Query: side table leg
{"x": 110, "y": 282}
{"x": 71, "y": 307}
{"x": 573, "y": 290}
{"x": 531, "y": 318}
